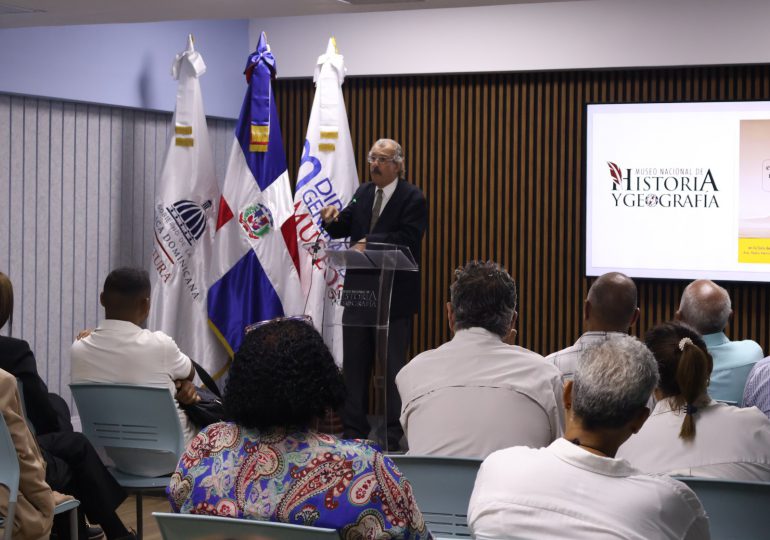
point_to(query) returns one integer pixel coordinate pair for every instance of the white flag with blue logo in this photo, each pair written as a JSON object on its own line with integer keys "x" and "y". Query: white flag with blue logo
{"x": 327, "y": 176}
{"x": 184, "y": 223}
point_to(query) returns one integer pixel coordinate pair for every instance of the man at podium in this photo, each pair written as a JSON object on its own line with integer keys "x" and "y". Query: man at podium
{"x": 388, "y": 210}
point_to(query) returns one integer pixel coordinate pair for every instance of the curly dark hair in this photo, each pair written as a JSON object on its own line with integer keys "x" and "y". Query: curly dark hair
{"x": 483, "y": 294}
{"x": 283, "y": 375}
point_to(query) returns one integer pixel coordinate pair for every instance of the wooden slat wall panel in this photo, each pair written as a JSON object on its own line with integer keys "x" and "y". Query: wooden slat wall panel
{"x": 500, "y": 159}
{"x": 77, "y": 183}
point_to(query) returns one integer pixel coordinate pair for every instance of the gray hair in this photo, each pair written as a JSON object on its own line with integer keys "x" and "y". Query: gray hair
{"x": 705, "y": 306}
{"x": 483, "y": 295}
{"x": 613, "y": 380}
{"x": 398, "y": 156}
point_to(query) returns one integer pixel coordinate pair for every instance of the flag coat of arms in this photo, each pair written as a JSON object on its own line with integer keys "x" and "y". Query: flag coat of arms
{"x": 184, "y": 223}
{"x": 327, "y": 176}
{"x": 254, "y": 269}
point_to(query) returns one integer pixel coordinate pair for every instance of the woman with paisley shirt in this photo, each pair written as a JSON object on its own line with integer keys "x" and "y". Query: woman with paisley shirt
{"x": 269, "y": 464}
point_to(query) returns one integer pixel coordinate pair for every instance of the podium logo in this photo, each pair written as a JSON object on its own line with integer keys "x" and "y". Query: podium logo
{"x": 666, "y": 187}
{"x": 359, "y": 299}
{"x": 256, "y": 220}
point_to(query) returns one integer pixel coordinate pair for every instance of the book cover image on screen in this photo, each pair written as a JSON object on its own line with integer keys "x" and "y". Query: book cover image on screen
{"x": 678, "y": 190}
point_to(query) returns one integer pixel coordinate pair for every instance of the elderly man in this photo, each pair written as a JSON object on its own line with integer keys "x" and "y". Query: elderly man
{"x": 609, "y": 310}
{"x": 576, "y": 488}
{"x": 386, "y": 210}
{"x": 478, "y": 392}
{"x": 706, "y": 307}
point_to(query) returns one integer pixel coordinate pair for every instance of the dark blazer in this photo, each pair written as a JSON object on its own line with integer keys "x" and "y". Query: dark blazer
{"x": 17, "y": 359}
{"x": 402, "y": 221}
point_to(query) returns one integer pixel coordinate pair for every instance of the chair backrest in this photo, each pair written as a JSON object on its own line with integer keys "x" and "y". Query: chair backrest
{"x": 138, "y": 426}
{"x": 20, "y": 388}
{"x": 9, "y": 473}
{"x": 442, "y": 488}
{"x": 197, "y": 527}
{"x": 736, "y": 510}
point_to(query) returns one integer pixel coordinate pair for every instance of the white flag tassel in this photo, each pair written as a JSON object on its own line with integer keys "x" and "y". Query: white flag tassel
{"x": 185, "y": 221}
{"x": 327, "y": 176}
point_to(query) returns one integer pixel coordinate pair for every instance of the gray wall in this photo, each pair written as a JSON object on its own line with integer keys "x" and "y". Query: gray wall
{"x": 126, "y": 65}
{"x": 77, "y": 185}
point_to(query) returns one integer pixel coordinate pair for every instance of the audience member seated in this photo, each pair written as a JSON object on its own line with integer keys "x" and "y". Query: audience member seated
{"x": 118, "y": 351}
{"x": 270, "y": 464}
{"x": 706, "y": 307}
{"x": 610, "y": 309}
{"x": 688, "y": 433}
{"x": 73, "y": 466}
{"x": 757, "y": 391}
{"x": 576, "y": 488}
{"x": 478, "y": 392}
{"x": 35, "y": 502}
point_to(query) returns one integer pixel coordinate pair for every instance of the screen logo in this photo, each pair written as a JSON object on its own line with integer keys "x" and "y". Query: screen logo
{"x": 667, "y": 187}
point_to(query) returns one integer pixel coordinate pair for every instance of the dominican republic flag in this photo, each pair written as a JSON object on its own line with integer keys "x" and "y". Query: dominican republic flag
{"x": 184, "y": 224}
{"x": 255, "y": 268}
{"x": 327, "y": 176}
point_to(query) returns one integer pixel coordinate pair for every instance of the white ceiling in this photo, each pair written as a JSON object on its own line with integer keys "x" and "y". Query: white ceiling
{"x": 17, "y": 13}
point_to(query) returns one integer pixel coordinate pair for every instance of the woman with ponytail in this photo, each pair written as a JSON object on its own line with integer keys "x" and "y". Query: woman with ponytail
{"x": 688, "y": 433}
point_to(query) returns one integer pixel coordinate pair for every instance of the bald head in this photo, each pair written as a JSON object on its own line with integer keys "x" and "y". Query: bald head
{"x": 611, "y": 304}
{"x": 705, "y": 306}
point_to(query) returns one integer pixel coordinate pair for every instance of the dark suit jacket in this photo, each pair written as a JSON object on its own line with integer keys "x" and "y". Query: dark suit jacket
{"x": 402, "y": 221}
{"x": 17, "y": 359}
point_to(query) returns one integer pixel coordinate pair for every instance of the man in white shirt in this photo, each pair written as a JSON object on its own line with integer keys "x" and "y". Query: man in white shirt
{"x": 119, "y": 351}
{"x": 707, "y": 308}
{"x": 576, "y": 488}
{"x": 609, "y": 310}
{"x": 478, "y": 392}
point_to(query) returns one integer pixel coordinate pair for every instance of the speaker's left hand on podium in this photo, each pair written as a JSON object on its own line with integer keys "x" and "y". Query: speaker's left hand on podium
{"x": 360, "y": 245}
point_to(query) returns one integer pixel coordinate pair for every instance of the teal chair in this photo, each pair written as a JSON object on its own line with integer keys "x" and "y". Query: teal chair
{"x": 9, "y": 477}
{"x": 139, "y": 429}
{"x": 442, "y": 488}
{"x": 736, "y": 510}
{"x": 195, "y": 527}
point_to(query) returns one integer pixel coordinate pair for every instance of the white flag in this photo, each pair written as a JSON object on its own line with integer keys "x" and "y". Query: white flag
{"x": 327, "y": 176}
{"x": 185, "y": 221}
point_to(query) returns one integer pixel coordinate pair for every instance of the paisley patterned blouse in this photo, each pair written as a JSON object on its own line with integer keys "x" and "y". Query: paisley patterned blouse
{"x": 299, "y": 477}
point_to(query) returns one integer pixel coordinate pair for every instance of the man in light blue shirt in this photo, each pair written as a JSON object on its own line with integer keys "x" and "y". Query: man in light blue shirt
{"x": 706, "y": 307}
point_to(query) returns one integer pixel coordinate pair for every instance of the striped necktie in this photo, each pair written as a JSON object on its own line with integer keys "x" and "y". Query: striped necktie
{"x": 376, "y": 209}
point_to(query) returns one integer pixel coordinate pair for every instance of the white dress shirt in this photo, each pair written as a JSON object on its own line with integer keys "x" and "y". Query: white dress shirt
{"x": 563, "y": 491}
{"x": 475, "y": 394}
{"x": 729, "y": 444}
{"x": 387, "y": 193}
{"x": 120, "y": 352}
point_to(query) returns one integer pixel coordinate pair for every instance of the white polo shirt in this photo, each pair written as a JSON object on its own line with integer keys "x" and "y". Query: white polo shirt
{"x": 563, "y": 491}
{"x": 730, "y": 443}
{"x": 120, "y": 352}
